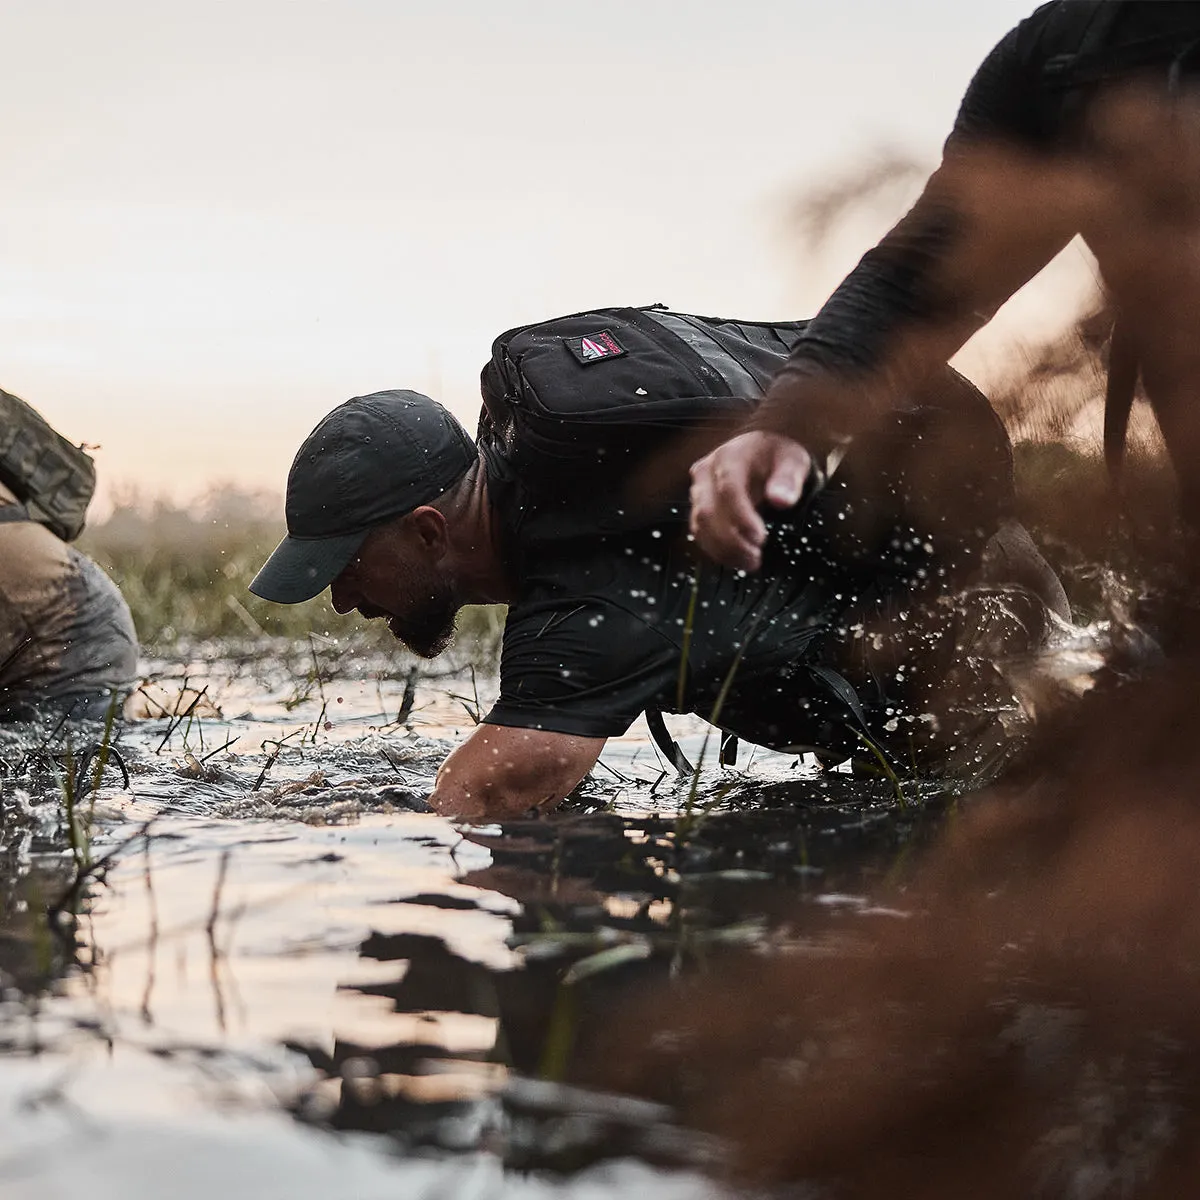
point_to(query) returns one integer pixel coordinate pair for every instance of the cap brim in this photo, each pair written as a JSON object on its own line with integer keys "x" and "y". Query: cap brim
{"x": 301, "y": 568}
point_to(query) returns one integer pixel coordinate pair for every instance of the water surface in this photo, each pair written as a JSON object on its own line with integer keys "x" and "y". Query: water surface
{"x": 285, "y": 979}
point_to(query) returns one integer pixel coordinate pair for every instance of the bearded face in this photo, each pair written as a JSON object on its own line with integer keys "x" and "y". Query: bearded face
{"x": 425, "y": 624}
{"x": 390, "y": 578}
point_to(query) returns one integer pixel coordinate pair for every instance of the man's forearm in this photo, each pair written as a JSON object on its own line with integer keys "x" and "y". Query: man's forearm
{"x": 986, "y": 223}
{"x": 963, "y": 248}
{"x": 501, "y": 772}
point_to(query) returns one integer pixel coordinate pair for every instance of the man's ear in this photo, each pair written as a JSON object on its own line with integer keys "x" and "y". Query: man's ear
{"x": 430, "y": 528}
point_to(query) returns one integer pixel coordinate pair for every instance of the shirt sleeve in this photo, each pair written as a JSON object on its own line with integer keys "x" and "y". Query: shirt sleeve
{"x": 893, "y": 286}
{"x": 586, "y": 666}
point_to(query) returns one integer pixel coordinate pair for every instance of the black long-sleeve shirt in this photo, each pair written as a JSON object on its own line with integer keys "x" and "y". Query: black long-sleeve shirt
{"x": 1017, "y": 103}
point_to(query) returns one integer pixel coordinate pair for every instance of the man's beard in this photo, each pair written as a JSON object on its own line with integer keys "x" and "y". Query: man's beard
{"x": 428, "y": 627}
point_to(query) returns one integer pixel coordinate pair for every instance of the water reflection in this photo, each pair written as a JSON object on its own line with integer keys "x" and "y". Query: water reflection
{"x": 609, "y": 905}
{"x": 273, "y": 928}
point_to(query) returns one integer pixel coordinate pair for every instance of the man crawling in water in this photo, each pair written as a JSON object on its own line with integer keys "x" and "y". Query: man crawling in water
{"x": 869, "y": 630}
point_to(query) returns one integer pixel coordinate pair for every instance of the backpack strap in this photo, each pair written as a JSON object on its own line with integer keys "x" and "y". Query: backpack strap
{"x": 729, "y": 749}
{"x": 691, "y": 332}
{"x": 843, "y": 691}
{"x": 670, "y": 748}
{"x": 835, "y": 684}
{"x": 13, "y": 512}
{"x": 691, "y": 350}
{"x": 673, "y": 752}
{"x": 1118, "y": 398}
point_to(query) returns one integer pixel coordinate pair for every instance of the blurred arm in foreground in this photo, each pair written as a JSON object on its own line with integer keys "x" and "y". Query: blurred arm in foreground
{"x": 1046, "y": 145}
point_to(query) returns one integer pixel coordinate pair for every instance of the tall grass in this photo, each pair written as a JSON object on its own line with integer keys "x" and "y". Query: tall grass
{"x": 185, "y": 573}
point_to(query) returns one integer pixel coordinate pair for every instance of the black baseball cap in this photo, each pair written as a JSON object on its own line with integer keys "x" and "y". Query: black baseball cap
{"x": 372, "y": 458}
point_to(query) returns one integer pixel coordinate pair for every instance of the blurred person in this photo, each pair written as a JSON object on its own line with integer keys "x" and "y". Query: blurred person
{"x": 68, "y": 648}
{"x": 393, "y": 507}
{"x": 1083, "y": 120}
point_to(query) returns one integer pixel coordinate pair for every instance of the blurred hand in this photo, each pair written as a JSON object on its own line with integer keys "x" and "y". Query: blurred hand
{"x": 729, "y": 484}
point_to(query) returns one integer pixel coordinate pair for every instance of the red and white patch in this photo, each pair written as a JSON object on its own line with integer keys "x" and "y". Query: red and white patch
{"x": 594, "y": 347}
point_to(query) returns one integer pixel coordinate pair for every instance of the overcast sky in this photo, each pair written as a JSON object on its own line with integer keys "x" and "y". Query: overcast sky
{"x": 220, "y": 218}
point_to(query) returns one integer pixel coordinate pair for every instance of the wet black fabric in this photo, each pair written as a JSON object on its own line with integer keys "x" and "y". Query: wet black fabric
{"x": 576, "y": 408}
{"x": 600, "y": 635}
{"x": 1017, "y": 99}
{"x": 608, "y": 626}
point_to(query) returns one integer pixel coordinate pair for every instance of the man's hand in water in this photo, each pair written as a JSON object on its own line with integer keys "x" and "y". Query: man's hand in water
{"x": 729, "y": 484}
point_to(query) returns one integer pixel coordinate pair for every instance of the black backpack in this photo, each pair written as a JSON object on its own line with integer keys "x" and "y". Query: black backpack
{"x": 583, "y": 411}
{"x": 591, "y": 421}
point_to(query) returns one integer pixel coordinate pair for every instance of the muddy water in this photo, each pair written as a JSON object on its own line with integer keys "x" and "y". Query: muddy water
{"x": 266, "y": 971}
